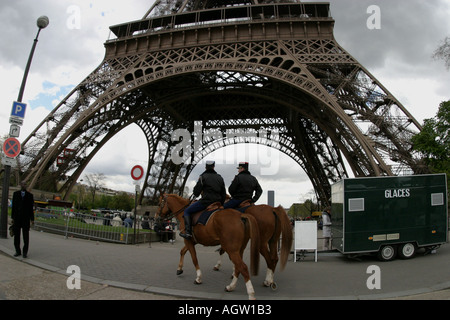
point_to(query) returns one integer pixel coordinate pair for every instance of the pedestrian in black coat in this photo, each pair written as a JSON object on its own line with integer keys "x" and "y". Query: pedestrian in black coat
{"x": 22, "y": 217}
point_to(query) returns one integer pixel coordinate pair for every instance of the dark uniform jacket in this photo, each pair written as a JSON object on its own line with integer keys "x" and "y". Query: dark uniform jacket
{"x": 243, "y": 186}
{"x": 211, "y": 186}
{"x": 22, "y": 209}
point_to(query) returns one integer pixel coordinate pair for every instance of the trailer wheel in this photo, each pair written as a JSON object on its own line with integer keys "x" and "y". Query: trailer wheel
{"x": 387, "y": 253}
{"x": 407, "y": 251}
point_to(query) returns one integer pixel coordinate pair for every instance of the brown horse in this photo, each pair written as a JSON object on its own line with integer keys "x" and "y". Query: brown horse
{"x": 227, "y": 228}
{"x": 272, "y": 223}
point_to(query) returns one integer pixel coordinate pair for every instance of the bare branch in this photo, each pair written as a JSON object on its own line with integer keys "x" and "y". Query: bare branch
{"x": 443, "y": 52}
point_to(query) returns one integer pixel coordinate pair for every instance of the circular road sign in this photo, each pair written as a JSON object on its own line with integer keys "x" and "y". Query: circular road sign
{"x": 11, "y": 147}
{"x": 137, "y": 172}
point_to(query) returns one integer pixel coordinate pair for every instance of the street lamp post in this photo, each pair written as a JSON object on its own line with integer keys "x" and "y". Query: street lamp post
{"x": 42, "y": 22}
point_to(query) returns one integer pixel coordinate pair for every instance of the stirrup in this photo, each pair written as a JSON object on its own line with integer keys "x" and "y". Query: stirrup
{"x": 185, "y": 235}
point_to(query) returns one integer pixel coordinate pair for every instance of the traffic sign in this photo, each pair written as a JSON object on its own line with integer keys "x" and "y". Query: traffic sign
{"x": 16, "y": 121}
{"x": 137, "y": 172}
{"x": 9, "y": 162}
{"x": 14, "y": 131}
{"x": 18, "y": 109}
{"x": 11, "y": 147}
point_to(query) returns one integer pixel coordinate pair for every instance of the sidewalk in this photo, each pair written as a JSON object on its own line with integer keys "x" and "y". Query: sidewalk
{"x": 20, "y": 280}
{"x": 136, "y": 272}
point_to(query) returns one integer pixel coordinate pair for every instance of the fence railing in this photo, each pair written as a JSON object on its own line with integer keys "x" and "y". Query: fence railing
{"x": 92, "y": 227}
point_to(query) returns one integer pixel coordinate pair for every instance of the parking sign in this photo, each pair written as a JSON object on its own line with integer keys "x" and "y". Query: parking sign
{"x": 18, "y": 109}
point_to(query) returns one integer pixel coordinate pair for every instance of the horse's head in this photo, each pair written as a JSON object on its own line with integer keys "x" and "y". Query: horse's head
{"x": 163, "y": 208}
{"x": 171, "y": 206}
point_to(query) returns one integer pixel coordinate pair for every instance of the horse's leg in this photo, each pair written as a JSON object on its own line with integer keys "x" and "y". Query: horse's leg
{"x": 236, "y": 272}
{"x": 219, "y": 262}
{"x": 269, "y": 250}
{"x": 191, "y": 247}
{"x": 240, "y": 267}
{"x": 270, "y": 254}
{"x": 180, "y": 264}
{"x": 234, "y": 279}
{"x": 267, "y": 256}
{"x": 271, "y": 257}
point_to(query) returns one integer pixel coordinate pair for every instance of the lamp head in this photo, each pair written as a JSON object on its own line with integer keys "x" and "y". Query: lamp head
{"x": 42, "y": 22}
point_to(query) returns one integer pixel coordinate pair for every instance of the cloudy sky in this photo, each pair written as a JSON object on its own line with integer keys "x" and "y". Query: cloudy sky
{"x": 398, "y": 52}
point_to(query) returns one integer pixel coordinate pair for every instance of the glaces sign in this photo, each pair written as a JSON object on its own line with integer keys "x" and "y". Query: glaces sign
{"x": 397, "y": 193}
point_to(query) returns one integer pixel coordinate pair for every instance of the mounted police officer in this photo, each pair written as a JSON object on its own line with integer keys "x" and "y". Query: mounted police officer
{"x": 211, "y": 186}
{"x": 242, "y": 188}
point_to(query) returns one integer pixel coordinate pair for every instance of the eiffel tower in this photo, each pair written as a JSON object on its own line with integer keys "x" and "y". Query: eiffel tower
{"x": 269, "y": 69}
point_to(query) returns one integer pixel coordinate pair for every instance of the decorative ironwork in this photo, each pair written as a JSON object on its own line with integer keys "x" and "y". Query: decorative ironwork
{"x": 229, "y": 65}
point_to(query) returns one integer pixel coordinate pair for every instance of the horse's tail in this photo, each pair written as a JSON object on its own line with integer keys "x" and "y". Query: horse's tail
{"x": 287, "y": 236}
{"x": 253, "y": 230}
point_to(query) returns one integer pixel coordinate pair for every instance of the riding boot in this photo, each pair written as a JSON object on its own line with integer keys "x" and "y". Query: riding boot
{"x": 187, "y": 228}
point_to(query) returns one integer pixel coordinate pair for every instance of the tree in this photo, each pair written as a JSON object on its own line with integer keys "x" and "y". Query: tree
{"x": 122, "y": 201}
{"x": 302, "y": 210}
{"x": 443, "y": 52}
{"x": 95, "y": 182}
{"x": 433, "y": 142}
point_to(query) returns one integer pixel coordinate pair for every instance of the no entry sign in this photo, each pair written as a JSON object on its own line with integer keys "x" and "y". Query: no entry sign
{"x": 137, "y": 172}
{"x": 11, "y": 147}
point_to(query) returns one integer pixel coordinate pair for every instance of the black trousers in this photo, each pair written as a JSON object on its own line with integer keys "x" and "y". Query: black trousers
{"x": 26, "y": 239}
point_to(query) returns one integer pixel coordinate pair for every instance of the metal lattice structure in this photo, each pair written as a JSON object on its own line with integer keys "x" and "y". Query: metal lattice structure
{"x": 271, "y": 70}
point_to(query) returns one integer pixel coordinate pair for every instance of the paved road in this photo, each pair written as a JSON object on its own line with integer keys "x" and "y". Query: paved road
{"x": 112, "y": 271}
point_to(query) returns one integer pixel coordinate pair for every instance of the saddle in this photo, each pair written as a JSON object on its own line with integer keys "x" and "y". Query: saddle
{"x": 244, "y": 206}
{"x": 203, "y": 216}
{"x": 246, "y": 203}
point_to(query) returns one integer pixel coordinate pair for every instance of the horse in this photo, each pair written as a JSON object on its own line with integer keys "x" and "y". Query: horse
{"x": 226, "y": 227}
{"x": 272, "y": 223}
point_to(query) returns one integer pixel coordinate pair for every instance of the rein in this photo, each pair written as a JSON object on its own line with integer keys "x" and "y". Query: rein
{"x": 171, "y": 214}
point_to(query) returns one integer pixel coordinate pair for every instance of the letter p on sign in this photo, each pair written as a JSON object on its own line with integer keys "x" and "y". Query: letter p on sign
{"x": 18, "y": 109}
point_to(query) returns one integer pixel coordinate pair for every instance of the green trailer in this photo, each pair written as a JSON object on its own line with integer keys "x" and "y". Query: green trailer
{"x": 389, "y": 216}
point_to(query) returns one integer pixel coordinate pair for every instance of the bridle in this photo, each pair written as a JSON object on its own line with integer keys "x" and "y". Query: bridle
{"x": 170, "y": 214}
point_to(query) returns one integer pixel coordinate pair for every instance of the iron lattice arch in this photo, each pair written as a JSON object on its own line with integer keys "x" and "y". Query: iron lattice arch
{"x": 271, "y": 71}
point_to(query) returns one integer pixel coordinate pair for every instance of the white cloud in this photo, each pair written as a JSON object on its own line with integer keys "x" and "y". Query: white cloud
{"x": 119, "y": 155}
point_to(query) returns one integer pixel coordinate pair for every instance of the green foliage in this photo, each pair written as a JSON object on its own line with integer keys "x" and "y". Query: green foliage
{"x": 302, "y": 210}
{"x": 433, "y": 142}
{"x": 122, "y": 201}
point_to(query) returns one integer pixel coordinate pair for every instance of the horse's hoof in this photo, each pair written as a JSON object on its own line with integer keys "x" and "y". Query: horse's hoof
{"x": 274, "y": 286}
{"x": 227, "y": 289}
{"x": 197, "y": 282}
{"x": 179, "y": 272}
{"x": 216, "y": 269}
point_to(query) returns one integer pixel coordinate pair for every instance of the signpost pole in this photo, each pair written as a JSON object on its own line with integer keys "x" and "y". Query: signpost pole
{"x": 135, "y": 211}
{"x": 42, "y": 23}
{"x": 5, "y": 194}
{"x": 137, "y": 172}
